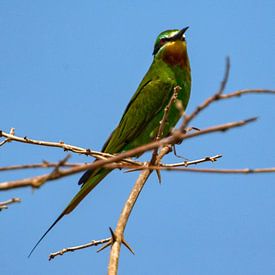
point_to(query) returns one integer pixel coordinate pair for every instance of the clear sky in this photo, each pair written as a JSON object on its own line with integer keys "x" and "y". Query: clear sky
{"x": 67, "y": 71}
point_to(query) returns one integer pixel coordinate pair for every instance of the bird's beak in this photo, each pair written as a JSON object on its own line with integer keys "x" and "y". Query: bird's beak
{"x": 179, "y": 35}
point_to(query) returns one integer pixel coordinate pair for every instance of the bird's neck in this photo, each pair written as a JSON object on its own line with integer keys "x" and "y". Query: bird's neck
{"x": 175, "y": 54}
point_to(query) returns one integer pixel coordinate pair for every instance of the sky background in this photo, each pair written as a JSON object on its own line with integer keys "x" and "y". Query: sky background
{"x": 67, "y": 71}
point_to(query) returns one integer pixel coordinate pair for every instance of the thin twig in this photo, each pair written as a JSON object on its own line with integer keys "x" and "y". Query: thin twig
{"x": 66, "y": 147}
{"x": 74, "y": 248}
{"x": 178, "y": 164}
{"x": 246, "y": 92}
{"x": 55, "y": 171}
{"x": 4, "y": 204}
{"x": 164, "y": 118}
{"x": 218, "y": 171}
{"x": 225, "y": 77}
{"x": 217, "y": 97}
{"x": 44, "y": 164}
{"x": 192, "y": 162}
{"x": 162, "y": 125}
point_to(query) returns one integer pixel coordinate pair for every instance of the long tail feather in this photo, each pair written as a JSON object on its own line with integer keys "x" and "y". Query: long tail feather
{"x": 82, "y": 193}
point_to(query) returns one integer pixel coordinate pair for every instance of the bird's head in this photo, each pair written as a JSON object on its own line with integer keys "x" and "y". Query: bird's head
{"x": 170, "y": 45}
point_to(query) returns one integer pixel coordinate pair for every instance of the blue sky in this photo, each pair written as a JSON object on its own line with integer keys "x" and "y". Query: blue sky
{"x": 67, "y": 71}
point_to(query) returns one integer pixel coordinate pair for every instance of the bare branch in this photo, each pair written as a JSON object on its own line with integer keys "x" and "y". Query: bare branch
{"x": 124, "y": 216}
{"x": 166, "y": 112}
{"x": 219, "y": 96}
{"x": 192, "y": 162}
{"x": 179, "y": 164}
{"x": 226, "y": 76}
{"x": 74, "y": 248}
{"x": 44, "y": 164}
{"x": 246, "y": 92}
{"x": 36, "y": 181}
{"x": 4, "y": 204}
{"x": 66, "y": 147}
{"x": 218, "y": 171}
{"x": 163, "y": 123}
{"x": 176, "y": 137}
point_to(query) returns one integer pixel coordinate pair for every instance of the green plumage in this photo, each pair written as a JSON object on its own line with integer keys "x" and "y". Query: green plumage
{"x": 140, "y": 121}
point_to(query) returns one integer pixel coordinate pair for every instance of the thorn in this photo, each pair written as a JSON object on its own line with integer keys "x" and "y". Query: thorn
{"x": 113, "y": 235}
{"x": 195, "y": 128}
{"x": 132, "y": 170}
{"x": 159, "y": 176}
{"x": 104, "y": 246}
{"x": 113, "y": 239}
{"x": 127, "y": 246}
{"x": 252, "y": 119}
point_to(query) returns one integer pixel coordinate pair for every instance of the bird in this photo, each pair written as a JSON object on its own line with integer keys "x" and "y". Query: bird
{"x": 141, "y": 119}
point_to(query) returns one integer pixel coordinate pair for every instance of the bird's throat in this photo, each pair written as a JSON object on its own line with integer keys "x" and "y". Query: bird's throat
{"x": 175, "y": 54}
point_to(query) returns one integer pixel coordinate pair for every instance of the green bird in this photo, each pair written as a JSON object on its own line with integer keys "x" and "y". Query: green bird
{"x": 140, "y": 121}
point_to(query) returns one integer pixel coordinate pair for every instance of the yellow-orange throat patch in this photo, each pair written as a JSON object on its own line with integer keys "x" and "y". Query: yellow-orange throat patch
{"x": 175, "y": 54}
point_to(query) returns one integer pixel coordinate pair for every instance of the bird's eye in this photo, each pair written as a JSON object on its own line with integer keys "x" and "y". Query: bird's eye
{"x": 162, "y": 41}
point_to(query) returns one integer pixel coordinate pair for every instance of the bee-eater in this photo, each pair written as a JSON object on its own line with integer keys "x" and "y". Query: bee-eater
{"x": 141, "y": 119}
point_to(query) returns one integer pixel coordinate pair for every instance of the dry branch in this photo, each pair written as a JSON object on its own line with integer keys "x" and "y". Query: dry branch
{"x": 176, "y": 137}
{"x": 74, "y": 248}
{"x": 4, "y": 204}
{"x": 44, "y": 164}
{"x": 219, "y": 171}
{"x": 125, "y": 214}
{"x": 66, "y": 147}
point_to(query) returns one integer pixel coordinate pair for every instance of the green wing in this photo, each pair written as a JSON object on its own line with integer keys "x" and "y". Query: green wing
{"x": 145, "y": 106}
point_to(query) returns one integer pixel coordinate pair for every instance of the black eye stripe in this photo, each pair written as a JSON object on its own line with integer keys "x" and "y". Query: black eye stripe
{"x": 164, "y": 40}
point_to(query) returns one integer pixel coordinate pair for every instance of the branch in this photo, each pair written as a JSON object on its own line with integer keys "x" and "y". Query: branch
{"x": 74, "y": 248}
{"x": 176, "y": 137}
{"x": 219, "y": 96}
{"x": 66, "y": 147}
{"x": 44, "y": 164}
{"x": 192, "y": 162}
{"x": 37, "y": 181}
{"x": 163, "y": 123}
{"x": 4, "y": 204}
{"x": 217, "y": 171}
{"x": 179, "y": 164}
{"x": 125, "y": 214}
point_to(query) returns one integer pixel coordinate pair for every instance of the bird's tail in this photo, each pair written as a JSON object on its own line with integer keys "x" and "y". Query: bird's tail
{"x": 90, "y": 183}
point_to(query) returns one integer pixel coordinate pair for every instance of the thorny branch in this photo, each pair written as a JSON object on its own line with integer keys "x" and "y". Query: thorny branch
{"x": 126, "y": 211}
